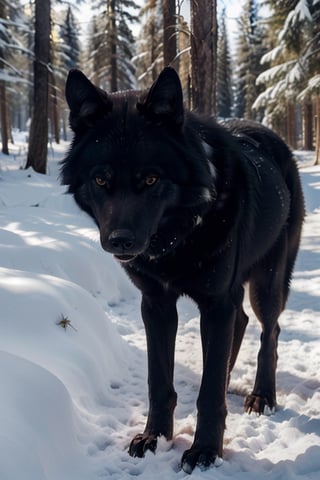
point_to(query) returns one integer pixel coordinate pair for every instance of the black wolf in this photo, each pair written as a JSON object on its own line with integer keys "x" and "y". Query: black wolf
{"x": 189, "y": 207}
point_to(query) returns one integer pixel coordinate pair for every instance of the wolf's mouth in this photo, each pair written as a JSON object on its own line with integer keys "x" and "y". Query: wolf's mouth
{"x": 124, "y": 258}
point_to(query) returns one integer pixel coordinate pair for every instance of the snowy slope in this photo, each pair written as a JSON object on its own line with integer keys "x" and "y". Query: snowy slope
{"x": 73, "y": 361}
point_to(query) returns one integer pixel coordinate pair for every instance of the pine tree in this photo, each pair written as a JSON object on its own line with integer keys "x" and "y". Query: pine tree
{"x": 224, "y": 81}
{"x": 310, "y": 95}
{"x": 293, "y": 64}
{"x": 4, "y": 39}
{"x": 126, "y": 51}
{"x": 204, "y": 55}
{"x": 69, "y": 42}
{"x": 151, "y": 46}
{"x": 112, "y": 46}
{"x": 38, "y": 136}
{"x": 149, "y": 58}
{"x": 65, "y": 55}
{"x": 250, "y": 49}
{"x": 95, "y": 50}
{"x": 169, "y": 32}
{"x": 184, "y": 57}
{"x": 12, "y": 71}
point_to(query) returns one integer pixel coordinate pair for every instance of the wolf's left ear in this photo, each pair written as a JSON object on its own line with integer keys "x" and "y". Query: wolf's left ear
{"x": 86, "y": 102}
{"x": 164, "y": 101}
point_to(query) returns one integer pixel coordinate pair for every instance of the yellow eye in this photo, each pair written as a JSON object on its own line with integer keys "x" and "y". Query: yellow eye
{"x": 151, "y": 180}
{"x": 100, "y": 181}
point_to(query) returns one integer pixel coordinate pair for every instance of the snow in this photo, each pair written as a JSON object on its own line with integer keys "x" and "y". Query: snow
{"x": 299, "y": 14}
{"x": 73, "y": 355}
{"x": 272, "y": 55}
{"x": 313, "y": 85}
{"x": 274, "y": 72}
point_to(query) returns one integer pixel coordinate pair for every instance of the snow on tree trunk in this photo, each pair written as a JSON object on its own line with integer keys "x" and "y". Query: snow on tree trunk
{"x": 38, "y": 137}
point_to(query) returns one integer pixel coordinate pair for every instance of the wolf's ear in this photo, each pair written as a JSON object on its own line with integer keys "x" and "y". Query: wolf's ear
{"x": 164, "y": 101}
{"x": 86, "y": 102}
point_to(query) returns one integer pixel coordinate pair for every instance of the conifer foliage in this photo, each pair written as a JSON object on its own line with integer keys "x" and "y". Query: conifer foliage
{"x": 291, "y": 80}
{"x": 270, "y": 70}
{"x": 224, "y": 76}
{"x": 13, "y": 29}
{"x": 69, "y": 32}
{"x": 250, "y": 49}
{"x": 149, "y": 58}
{"x": 65, "y": 55}
{"x": 111, "y": 45}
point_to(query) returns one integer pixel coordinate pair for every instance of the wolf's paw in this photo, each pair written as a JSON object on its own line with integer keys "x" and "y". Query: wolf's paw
{"x": 260, "y": 405}
{"x": 141, "y": 443}
{"x": 201, "y": 457}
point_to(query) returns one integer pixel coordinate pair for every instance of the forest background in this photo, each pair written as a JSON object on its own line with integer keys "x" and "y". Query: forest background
{"x": 266, "y": 69}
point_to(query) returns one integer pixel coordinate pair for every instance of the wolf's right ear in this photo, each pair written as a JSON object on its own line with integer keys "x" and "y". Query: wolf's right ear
{"x": 86, "y": 102}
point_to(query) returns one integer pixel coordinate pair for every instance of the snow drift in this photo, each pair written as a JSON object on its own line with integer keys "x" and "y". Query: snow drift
{"x": 73, "y": 359}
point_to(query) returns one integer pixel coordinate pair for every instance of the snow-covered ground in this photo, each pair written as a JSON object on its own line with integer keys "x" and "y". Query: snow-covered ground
{"x": 73, "y": 357}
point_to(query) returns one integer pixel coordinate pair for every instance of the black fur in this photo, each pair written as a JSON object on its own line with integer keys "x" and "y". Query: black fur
{"x": 192, "y": 208}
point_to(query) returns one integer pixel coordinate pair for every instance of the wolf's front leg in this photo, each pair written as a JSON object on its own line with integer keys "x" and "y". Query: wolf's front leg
{"x": 160, "y": 318}
{"x": 217, "y": 323}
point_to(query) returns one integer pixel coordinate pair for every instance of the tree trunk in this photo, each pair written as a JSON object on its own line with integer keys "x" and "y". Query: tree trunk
{"x": 153, "y": 53}
{"x": 291, "y": 134}
{"x": 55, "y": 117}
{"x": 307, "y": 130}
{"x": 317, "y": 130}
{"x": 204, "y": 55}
{"x": 38, "y": 136}
{"x": 113, "y": 45}
{"x": 3, "y": 95}
{"x": 4, "y": 118}
{"x": 169, "y": 32}
{"x": 9, "y": 125}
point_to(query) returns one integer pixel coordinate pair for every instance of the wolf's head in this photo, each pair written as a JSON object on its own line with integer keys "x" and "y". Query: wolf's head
{"x": 136, "y": 165}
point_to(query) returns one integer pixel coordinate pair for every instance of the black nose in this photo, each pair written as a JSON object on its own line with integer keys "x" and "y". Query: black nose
{"x": 121, "y": 240}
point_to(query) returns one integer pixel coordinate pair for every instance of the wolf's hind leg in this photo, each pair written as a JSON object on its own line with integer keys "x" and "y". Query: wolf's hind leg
{"x": 240, "y": 326}
{"x": 269, "y": 287}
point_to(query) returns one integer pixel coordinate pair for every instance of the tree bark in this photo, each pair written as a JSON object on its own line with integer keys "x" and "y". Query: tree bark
{"x": 4, "y": 118}
{"x": 3, "y": 96}
{"x": 204, "y": 55}
{"x": 54, "y": 107}
{"x": 317, "y": 130}
{"x": 38, "y": 136}
{"x": 291, "y": 124}
{"x": 307, "y": 130}
{"x": 169, "y": 32}
{"x": 113, "y": 45}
